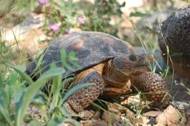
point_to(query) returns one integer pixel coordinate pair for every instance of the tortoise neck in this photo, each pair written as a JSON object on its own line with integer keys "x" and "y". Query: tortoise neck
{"x": 113, "y": 77}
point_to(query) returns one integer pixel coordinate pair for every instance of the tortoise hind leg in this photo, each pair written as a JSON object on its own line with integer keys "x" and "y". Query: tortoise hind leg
{"x": 84, "y": 97}
{"x": 153, "y": 87}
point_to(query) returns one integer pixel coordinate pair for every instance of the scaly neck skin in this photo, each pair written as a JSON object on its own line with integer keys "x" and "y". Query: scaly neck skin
{"x": 113, "y": 77}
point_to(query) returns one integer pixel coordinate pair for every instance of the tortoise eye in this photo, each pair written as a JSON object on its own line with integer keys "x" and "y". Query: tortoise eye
{"x": 133, "y": 58}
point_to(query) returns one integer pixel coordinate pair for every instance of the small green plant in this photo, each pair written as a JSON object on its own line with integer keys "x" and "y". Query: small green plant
{"x": 16, "y": 97}
{"x": 64, "y": 17}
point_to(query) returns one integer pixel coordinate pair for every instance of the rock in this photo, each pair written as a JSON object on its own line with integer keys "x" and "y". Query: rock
{"x": 153, "y": 21}
{"x": 33, "y": 21}
{"x": 188, "y": 117}
{"x": 7, "y": 6}
{"x": 174, "y": 41}
{"x": 26, "y": 35}
{"x": 114, "y": 119}
{"x": 93, "y": 123}
{"x": 86, "y": 114}
{"x": 171, "y": 116}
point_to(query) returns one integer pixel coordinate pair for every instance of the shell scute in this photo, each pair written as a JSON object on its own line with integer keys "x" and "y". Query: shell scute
{"x": 91, "y": 48}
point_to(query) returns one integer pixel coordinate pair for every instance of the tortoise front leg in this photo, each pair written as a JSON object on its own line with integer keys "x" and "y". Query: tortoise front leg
{"x": 84, "y": 97}
{"x": 153, "y": 87}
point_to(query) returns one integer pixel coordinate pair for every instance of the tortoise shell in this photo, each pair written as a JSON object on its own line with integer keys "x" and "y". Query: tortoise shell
{"x": 91, "y": 48}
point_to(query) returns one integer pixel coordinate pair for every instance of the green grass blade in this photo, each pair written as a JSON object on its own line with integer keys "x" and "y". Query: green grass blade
{"x": 5, "y": 114}
{"x": 40, "y": 61}
{"x": 56, "y": 88}
{"x": 63, "y": 57}
{"x": 33, "y": 89}
{"x": 20, "y": 71}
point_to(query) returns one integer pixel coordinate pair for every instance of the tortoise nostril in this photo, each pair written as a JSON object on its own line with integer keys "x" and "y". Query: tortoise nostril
{"x": 133, "y": 58}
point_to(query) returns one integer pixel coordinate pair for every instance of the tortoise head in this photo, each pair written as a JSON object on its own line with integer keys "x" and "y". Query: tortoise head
{"x": 120, "y": 69}
{"x": 130, "y": 64}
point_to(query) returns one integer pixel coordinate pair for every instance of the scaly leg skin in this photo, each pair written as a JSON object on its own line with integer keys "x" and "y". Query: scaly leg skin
{"x": 84, "y": 97}
{"x": 154, "y": 88}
